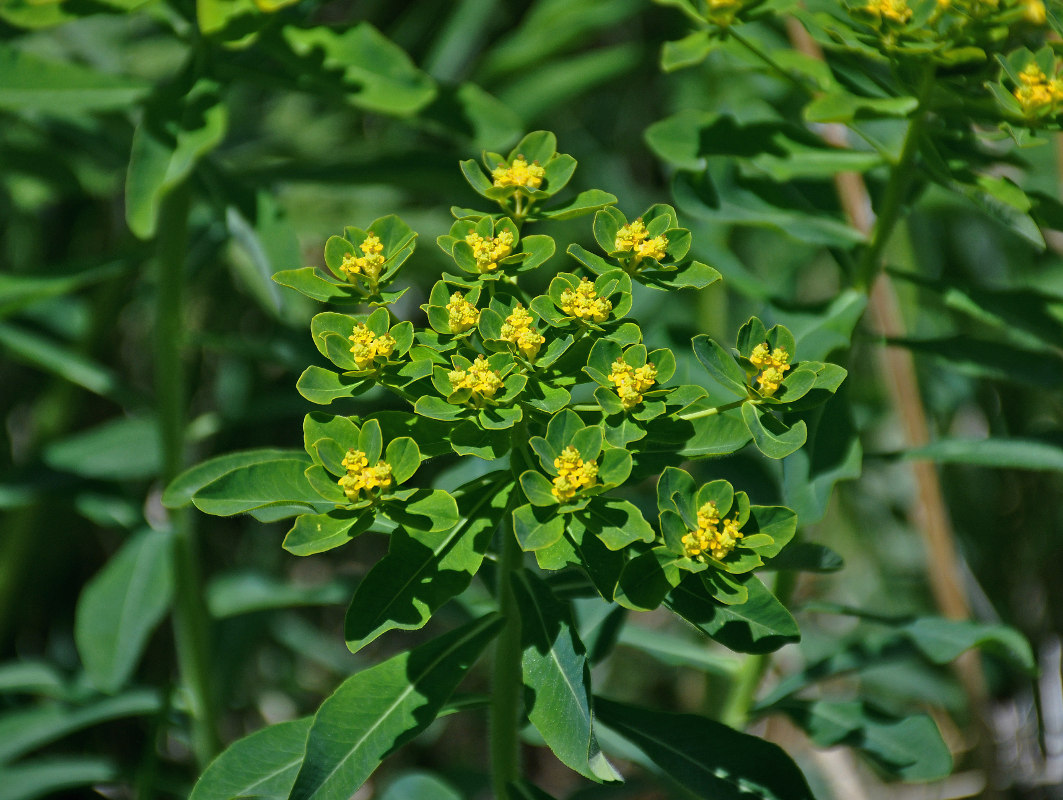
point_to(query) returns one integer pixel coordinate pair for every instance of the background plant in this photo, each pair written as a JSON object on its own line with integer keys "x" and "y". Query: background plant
{"x": 287, "y": 139}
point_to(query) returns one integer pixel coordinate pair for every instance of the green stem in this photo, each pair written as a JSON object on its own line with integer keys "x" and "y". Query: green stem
{"x": 743, "y": 691}
{"x": 507, "y": 679}
{"x": 900, "y": 181}
{"x": 191, "y": 620}
{"x": 710, "y": 412}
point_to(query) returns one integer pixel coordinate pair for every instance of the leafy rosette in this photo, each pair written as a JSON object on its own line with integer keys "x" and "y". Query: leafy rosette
{"x": 630, "y": 390}
{"x": 578, "y": 303}
{"x": 652, "y": 249}
{"x": 769, "y": 383}
{"x": 507, "y": 326}
{"x": 532, "y": 172}
{"x": 577, "y": 472}
{"x": 487, "y": 248}
{"x": 712, "y": 532}
{"x": 367, "y": 351}
{"x": 361, "y": 265}
{"x": 353, "y": 470}
{"x": 1035, "y": 96}
{"x": 482, "y": 391}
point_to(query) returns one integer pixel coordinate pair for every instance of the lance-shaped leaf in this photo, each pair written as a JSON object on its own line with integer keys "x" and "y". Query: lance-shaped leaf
{"x": 557, "y": 679}
{"x": 268, "y": 483}
{"x": 376, "y": 710}
{"x": 262, "y": 765}
{"x": 120, "y": 607}
{"x": 705, "y": 757}
{"x": 182, "y": 488}
{"x": 422, "y": 570}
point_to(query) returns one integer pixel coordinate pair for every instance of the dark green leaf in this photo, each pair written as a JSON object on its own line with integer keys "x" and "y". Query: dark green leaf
{"x": 263, "y": 764}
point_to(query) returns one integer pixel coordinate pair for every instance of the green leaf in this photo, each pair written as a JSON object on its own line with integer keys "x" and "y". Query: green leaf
{"x": 944, "y": 640}
{"x": 231, "y": 594}
{"x": 423, "y": 571}
{"x": 720, "y": 365}
{"x": 647, "y": 579}
{"x": 48, "y": 776}
{"x": 770, "y": 435}
{"x": 419, "y": 785}
{"x": 119, "y": 449}
{"x": 263, "y": 764}
{"x": 378, "y": 74}
{"x": 537, "y": 527}
{"x": 689, "y": 51}
{"x": 27, "y": 729}
{"x": 403, "y": 456}
{"x": 20, "y": 291}
{"x": 178, "y": 129}
{"x": 31, "y": 83}
{"x": 537, "y": 488}
{"x": 586, "y": 202}
{"x": 378, "y": 709}
{"x": 427, "y": 510}
{"x": 259, "y": 485}
{"x": 617, "y": 523}
{"x": 120, "y": 607}
{"x": 759, "y": 625}
{"x": 705, "y": 757}
{"x": 910, "y": 748}
{"x": 181, "y": 489}
{"x": 1022, "y": 454}
{"x": 316, "y": 533}
{"x": 557, "y": 679}
{"x": 839, "y": 106}
{"x": 322, "y": 386}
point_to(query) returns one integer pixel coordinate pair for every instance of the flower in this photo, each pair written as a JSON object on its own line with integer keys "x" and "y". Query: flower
{"x": 488, "y": 251}
{"x": 773, "y": 365}
{"x": 368, "y": 346}
{"x": 634, "y": 238}
{"x": 519, "y": 330}
{"x": 631, "y": 381}
{"x": 573, "y": 474}
{"x": 1037, "y": 92}
{"x": 713, "y": 536}
{"x": 519, "y": 173}
{"x": 462, "y": 314}
{"x": 479, "y": 378}
{"x": 894, "y": 10}
{"x": 583, "y": 303}
{"x": 370, "y": 265}
{"x": 361, "y": 477}
{"x": 1033, "y": 11}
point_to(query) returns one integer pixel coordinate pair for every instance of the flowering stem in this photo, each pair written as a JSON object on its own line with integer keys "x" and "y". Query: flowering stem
{"x": 506, "y": 681}
{"x": 190, "y": 618}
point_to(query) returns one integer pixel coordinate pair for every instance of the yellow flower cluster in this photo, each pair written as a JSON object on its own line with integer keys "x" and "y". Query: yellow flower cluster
{"x": 488, "y": 252}
{"x": 631, "y": 382}
{"x": 360, "y": 476}
{"x": 479, "y": 378}
{"x": 519, "y": 173}
{"x": 519, "y": 329}
{"x": 773, "y": 365}
{"x": 723, "y": 12}
{"x": 368, "y": 346}
{"x": 584, "y": 303}
{"x": 714, "y": 536}
{"x": 636, "y": 239}
{"x": 893, "y": 10}
{"x": 573, "y": 474}
{"x": 1038, "y": 92}
{"x": 1033, "y": 11}
{"x": 370, "y": 265}
{"x": 461, "y": 314}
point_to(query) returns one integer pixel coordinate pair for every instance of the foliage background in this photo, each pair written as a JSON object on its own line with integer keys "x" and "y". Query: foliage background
{"x": 305, "y": 149}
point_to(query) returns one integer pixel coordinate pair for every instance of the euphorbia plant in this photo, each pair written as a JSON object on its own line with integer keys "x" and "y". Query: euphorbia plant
{"x": 567, "y": 416}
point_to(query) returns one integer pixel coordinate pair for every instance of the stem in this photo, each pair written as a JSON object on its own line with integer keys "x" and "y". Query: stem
{"x": 900, "y": 180}
{"x": 191, "y": 621}
{"x": 507, "y": 679}
{"x": 710, "y": 412}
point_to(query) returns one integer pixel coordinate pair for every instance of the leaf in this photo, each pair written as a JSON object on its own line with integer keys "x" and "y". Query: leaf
{"x": 260, "y": 485}
{"x": 839, "y": 106}
{"x": 944, "y": 640}
{"x": 759, "y": 625}
{"x": 317, "y": 533}
{"x": 179, "y": 128}
{"x": 379, "y": 75}
{"x": 20, "y": 291}
{"x": 910, "y": 748}
{"x": 586, "y": 202}
{"x": 181, "y": 489}
{"x": 419, "y": 785}
{"x": 322, "y": 386}
{"x": 423, "y": 571}
{"x": 1021, "y": 454}
{"x": 231, "y": 594}
{"x": 678, "y": 651}
{"x": 720, "y": 365}
{"x": 770, "y": 435}
{"x": 120, "y": 607}
{"x": 378, "y": 709}
{"x": 263, "y": 764}
{"x": 617, "y": 523}
{"x": 31, "y": 83}
{"x": 537, "y": 527}
{"x": 27, "y": 729}
{"x": 706, "y": 757}
{"x": 427, "y": 510}
{"x": 119, "y": 449}
{"x": 557, "y": 679}
{"x": 50, "y": 775}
